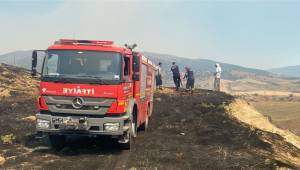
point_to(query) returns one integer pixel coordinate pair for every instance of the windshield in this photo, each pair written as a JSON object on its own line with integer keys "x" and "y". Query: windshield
{"x": 76, "y": 64}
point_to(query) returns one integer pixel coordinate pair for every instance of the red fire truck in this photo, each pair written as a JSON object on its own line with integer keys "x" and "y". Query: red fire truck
{"x": 93, "y": 88}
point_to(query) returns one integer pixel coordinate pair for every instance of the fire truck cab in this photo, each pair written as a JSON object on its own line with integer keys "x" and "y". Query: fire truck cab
{"x": 93, "y": 88}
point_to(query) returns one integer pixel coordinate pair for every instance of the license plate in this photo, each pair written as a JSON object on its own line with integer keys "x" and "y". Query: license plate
{"x": 69, "y": 123}
{"x": 57, "y": 120}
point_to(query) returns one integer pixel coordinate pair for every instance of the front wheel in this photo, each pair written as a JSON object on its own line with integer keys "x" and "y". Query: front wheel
{"x": 125, "y": 141}
{"x": 133, "y": 128}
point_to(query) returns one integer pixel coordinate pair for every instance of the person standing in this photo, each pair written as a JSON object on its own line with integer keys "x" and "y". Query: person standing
{"x": 190, "y": 79}
{"x": 176, "y": 75}
{"x": 217, "y": 82}
{"x": 159, "y": 76}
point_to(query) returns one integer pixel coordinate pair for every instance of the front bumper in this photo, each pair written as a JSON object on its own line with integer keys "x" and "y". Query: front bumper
{"x": 87, "y": 125}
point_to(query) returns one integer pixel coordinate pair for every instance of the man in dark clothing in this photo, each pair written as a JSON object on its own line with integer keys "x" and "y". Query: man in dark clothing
{"x": 159, "y": 76}
{"x": 190, "y": 79}
{"x": 176, "y": 75}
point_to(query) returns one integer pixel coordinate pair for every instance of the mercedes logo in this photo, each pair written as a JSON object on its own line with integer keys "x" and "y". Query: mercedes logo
{"x": 77, "y": 102}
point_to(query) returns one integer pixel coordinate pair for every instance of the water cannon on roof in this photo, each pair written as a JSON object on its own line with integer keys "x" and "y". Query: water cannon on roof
{"x": 83, "y": 42}
{"x": 131, "y": 47}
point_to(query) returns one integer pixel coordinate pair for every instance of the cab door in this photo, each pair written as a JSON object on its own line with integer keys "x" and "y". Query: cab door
{"x": 136, "y": 65}
{"x": 127, "y": 77}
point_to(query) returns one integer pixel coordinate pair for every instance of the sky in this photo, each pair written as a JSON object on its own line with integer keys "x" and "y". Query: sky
{"x": 258, "y": 34}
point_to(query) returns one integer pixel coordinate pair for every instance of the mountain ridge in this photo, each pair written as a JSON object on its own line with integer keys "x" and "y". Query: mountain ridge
{"x": 206, "y": 67}
{"x": 234, "y": 78}
{"x": 202, "y": 67}
{"x": 288, "y": 71}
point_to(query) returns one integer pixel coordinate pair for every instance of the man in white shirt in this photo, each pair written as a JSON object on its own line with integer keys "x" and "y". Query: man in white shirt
{"x": 217, "y": 83}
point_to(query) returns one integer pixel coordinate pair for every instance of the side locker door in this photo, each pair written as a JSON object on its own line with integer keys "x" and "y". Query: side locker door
{"x": 137, "y": 69}
{"x": 143, "y": 89}
{"x": 143, "y": 82}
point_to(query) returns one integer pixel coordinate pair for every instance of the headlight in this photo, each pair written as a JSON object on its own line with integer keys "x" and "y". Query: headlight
{"x": 42, "y": 124}
{"x": 111, "y": 126}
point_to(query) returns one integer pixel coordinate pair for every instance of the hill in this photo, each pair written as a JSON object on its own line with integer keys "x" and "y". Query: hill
{"x": 20, "y": 59}
{"x": 201, "y": 67}
{"x": 209, "y": 130}
{"x": 290, "y": 71}
{"x": 236, "y": 78}
{"x": 17, "y": 58}
{"x": 15, "y": 81}
{"x": 204, "y": 68}
{"x": 202, "y": 131}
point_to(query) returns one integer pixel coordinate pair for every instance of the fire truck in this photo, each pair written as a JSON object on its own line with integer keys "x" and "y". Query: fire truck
{"x": 93, "y": 88}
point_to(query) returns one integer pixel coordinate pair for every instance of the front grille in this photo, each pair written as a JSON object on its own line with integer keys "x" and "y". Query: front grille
{"x": 66, "y": 106}
{"x": 63, "y": 104}
{"x": 70, "y": 114}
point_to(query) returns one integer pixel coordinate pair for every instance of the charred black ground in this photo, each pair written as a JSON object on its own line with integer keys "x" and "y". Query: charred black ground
{"x": 186, "y": 132}
{"x": 193, "y": 132}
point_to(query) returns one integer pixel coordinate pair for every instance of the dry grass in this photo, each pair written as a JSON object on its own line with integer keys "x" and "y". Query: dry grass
{"x": 279, "y": 110}
{"x": 8, "y": 139}
{"x": 267, "y": 93}
{"x": 285, "y": 114}
{"x": 247, "y": 115}
{"x": 16, "y": 80}
{"x": 2, "y": 160}
{"x": 29, "y": 118}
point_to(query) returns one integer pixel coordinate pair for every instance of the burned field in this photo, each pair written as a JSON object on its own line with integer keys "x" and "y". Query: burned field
{"x": 193, "y": 132}
{"x": 186, "y": 132}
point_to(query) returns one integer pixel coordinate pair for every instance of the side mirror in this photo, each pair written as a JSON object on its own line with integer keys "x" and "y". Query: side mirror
{"x": 136, "y": 63}
{"x": 34, "y": 63}
{"x": 136, "y": 67}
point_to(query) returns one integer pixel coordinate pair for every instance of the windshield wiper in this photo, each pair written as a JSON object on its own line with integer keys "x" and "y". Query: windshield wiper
{"x": 57, "y": 78}
{"x": 95, "y": 79}
{"x": 89, "y": 76}
{"x": 89, "y": 79}
{"x": 64, "y": 80}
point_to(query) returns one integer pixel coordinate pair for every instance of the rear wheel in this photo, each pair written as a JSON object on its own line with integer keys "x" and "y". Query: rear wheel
{"x": 57, "y": 141}
{"x": 145, "y": 125}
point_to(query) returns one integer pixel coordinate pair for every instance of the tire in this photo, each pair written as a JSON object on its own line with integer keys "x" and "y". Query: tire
{"x": 57, "y": 142}
{"x": 125, "y": 141}
{"x": 145, "y": 125}
{"x": 133, "y": 128}
{"x": 126, "y": 145}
